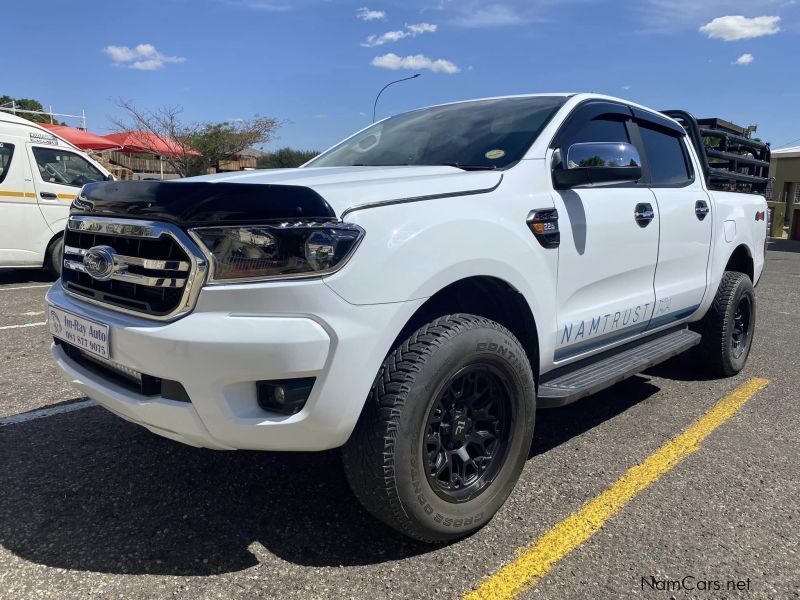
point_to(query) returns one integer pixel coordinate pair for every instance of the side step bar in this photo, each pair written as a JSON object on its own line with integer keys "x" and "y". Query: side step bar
{"x": 574, "y": 382}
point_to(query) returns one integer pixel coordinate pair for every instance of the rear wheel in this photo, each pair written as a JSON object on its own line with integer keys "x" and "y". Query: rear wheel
{"x": 446, "y": 429}
{"x": 54, "y": 257}
{"x": 728, "y": 326}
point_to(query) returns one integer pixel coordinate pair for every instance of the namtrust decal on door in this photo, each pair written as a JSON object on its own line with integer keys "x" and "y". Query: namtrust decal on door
{"x": 595, "y": 331}
{"x": 582, "y": 335}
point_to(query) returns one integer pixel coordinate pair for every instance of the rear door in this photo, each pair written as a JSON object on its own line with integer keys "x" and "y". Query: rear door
{"x": 684, "y": 209}
{"x": 59, "y": 174}
{"x": 607, "y": 258}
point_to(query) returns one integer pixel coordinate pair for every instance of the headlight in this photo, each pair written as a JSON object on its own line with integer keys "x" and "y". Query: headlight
{"x": 253, "y": 252}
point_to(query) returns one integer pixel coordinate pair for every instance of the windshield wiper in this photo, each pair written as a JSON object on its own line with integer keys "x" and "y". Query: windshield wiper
{"x": 470, "y": 167}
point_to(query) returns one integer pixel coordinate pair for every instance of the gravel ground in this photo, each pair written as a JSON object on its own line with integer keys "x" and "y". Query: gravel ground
{"x": 94, "y": 507}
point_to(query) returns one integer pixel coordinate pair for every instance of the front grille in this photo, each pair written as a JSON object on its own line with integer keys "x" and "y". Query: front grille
{"x": 156, "y": 269}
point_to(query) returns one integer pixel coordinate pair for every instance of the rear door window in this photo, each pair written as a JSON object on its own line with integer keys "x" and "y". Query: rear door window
{"x": 6, "y": 152}
{"x": 65, "y": 168}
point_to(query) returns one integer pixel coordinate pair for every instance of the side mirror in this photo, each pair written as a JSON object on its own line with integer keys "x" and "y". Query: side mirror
{"x": 110, "y": 177}
{"x": 590, "y": 163}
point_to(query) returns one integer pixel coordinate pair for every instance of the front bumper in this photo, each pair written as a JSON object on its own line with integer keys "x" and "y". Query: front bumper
{"x": 278, "y": 330}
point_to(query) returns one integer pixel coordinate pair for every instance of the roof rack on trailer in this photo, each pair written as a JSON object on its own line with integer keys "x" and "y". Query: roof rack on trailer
{"x": 731, "y": 161}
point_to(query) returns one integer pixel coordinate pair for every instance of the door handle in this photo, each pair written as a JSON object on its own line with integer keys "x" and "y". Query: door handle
{"x": 701, "y": 209}
{"x": 643, "y": 213}
{"x": 48, "y": 196}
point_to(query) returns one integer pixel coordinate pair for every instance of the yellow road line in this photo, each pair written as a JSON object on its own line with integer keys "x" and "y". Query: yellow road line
{"x": 534, "y": 561}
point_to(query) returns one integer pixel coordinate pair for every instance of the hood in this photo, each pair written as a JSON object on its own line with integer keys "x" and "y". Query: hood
{"x": 253, "y": 196}
{"x": 348, "y": 187}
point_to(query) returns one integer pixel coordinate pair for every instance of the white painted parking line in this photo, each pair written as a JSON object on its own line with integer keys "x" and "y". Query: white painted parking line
{"x": 46, "y": 412}
{"x": 23, "y": 325}
{"x": 23, "y": 287}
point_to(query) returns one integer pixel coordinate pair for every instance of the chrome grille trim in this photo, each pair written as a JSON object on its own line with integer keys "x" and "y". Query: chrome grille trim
{"x": 145, "y": 263}
{"x": 195, "y": 270}
{"x": 125, "y": 227}
{"x": 161, "y": 282}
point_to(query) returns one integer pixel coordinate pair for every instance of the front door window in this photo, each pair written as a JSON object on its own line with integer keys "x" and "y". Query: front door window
{"x": 65, "y": 168}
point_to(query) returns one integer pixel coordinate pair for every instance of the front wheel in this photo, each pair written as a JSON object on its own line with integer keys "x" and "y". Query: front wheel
{"x": 728, "y": 326}
{"x": 446, "y": 429}
{"x": 54, "y": 257}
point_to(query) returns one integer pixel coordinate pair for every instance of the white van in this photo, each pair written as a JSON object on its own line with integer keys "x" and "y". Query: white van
{"x": 40, "y": 175}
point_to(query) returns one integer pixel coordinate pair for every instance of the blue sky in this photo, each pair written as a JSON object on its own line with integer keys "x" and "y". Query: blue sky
{"x": 313, "y": 64}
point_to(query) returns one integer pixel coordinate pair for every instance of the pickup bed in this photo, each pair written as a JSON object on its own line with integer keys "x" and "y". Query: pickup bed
{"x": 416, "y": 292}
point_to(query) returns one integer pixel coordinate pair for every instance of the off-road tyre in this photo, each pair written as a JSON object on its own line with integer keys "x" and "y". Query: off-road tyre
{"x": 728, "y": 326}
{"x": 387, "y": 457}
{"x": 54, "y": 257}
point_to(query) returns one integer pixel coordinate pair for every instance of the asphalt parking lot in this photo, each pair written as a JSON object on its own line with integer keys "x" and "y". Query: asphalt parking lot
{"x": 94, "y": 507}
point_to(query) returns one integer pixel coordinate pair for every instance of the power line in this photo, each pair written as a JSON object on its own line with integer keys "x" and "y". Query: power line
{"x": 787, "y": 143}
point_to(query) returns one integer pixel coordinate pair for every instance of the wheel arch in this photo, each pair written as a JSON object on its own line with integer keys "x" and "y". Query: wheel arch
{"x": 486, "y": 296}
{"x": 53, "y": 239}
{"x": 741, "y": 261}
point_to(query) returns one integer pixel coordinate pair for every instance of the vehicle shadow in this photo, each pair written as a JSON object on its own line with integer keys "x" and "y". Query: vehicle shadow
{"x": 22, "y": 276}
{"x": 784, "y": 246}
{"x": 88, "y": 491}
{"x": 555, "y": 426}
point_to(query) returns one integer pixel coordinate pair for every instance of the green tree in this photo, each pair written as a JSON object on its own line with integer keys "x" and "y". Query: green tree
{"x": 285, "y": 158}
{"x": 220, "y": 142}
{"x": 215, "y": 142}
{"x": 27, "y": 104}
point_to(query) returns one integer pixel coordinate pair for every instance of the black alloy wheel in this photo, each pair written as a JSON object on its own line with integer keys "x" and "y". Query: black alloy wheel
{"x": 740, "y": 334}
{"x": 468, "y": 432}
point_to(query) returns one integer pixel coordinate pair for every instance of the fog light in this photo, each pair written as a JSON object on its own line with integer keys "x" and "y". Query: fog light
{"x": 286, "y": 396}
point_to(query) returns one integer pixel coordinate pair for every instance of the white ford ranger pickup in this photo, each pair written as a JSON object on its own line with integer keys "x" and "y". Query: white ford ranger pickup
{"x": 415, "y": 293}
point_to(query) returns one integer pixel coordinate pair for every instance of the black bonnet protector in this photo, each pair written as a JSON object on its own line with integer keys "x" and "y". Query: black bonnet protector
{"x": 200, "y": 203}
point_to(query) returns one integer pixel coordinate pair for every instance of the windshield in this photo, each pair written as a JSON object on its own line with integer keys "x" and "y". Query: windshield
{"x": 483, "y": 134}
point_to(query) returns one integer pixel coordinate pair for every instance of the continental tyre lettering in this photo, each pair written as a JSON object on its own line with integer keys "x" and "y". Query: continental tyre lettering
{"x": 500, "y": 350}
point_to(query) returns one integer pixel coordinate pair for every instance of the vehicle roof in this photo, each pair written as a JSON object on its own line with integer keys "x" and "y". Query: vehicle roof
{"x": 579, "y": 96}
{"x": 6, "y": 117}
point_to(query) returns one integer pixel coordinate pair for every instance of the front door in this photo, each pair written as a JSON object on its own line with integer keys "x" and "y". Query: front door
{"x": 685, "y": 213}
{"x": 607, "y": 256}
{"x": 59, "y": 174}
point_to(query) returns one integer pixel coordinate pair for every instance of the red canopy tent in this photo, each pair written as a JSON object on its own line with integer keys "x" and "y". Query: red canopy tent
{"x": 81, "y": 139}
{"x": 144, "y": 142}
{"x": 137, "y": 142}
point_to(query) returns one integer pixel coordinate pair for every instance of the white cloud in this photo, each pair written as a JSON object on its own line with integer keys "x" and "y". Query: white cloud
{"x": 384, "y": 38}
{"x": 737, "y": 27}
{"x": 626, "y": 87}
{"x": 143, "y": 57}
{"x": 366, "y": 14}
{"x": 414, "y": 63}
{"x": 674, "y": 16}
{"x": 490, "y": 15}
{"x": 395, "y": 36}
{"x": 419, "y": 28}
{"x": 744, "y": 59}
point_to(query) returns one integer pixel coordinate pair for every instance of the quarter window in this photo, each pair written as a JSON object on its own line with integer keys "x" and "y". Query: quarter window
{"x": 65, "y": 168}
{"x": 6, "y": 152}
{"x": 666, "y": 157}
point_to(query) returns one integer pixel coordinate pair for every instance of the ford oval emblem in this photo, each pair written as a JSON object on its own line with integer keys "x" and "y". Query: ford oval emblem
{"x": 99, "y": 262}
